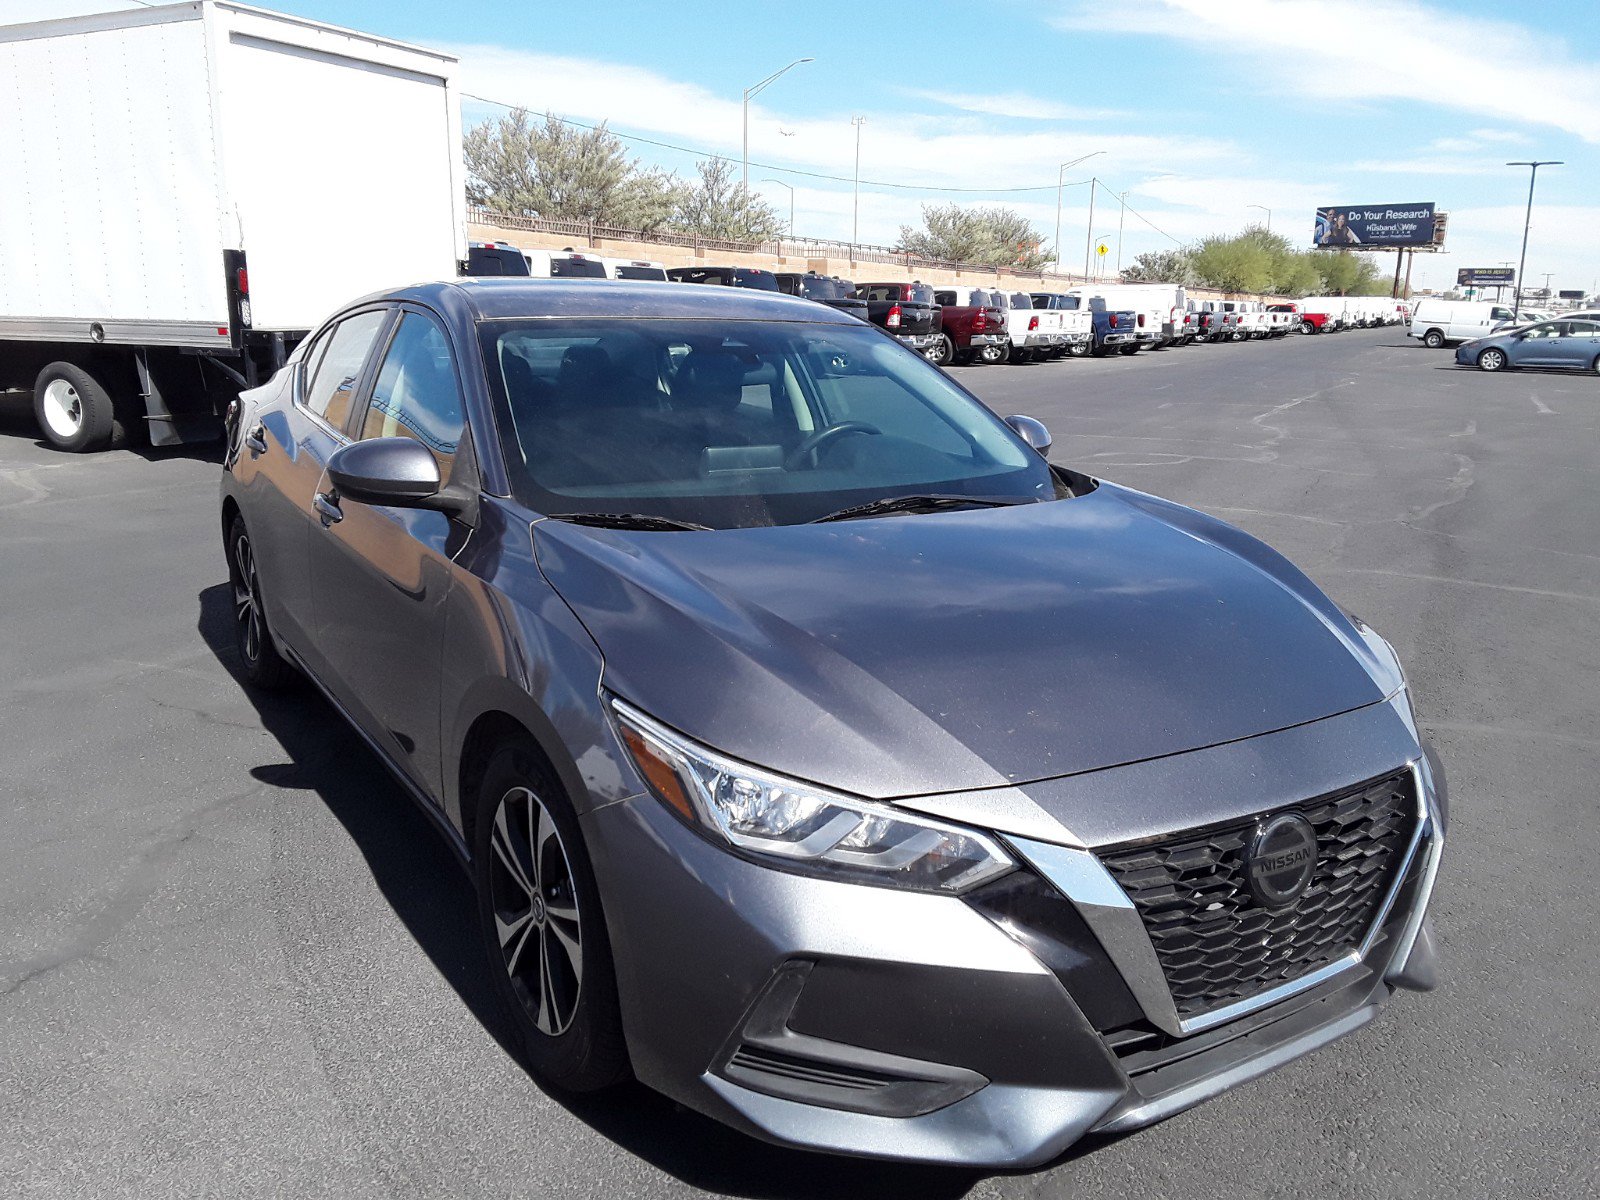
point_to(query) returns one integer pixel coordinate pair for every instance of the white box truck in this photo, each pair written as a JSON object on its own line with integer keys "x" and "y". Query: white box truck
{"x": 189, "y": 189}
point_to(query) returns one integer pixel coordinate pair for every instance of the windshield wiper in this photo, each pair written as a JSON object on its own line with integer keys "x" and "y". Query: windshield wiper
{"x": 610, "y": 520}
{"x": 919, "y": 503}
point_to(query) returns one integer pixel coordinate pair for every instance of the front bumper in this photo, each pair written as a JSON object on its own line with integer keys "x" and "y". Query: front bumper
{"x": 989, "y": 1030}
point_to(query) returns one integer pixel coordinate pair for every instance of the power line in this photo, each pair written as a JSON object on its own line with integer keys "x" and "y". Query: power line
{"x": 909, "y": 187}
{"x": 1154, "y": 226}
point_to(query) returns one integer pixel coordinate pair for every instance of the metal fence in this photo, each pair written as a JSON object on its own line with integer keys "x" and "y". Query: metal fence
{"x": 858, "y": 252}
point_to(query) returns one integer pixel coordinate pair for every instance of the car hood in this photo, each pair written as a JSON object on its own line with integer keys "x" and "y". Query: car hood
{"x": 901, "y": 656}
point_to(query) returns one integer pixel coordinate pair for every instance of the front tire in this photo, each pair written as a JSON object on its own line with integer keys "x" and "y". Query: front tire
{"x": 73, "y": 409}
{"x": 1492, "y": 360}
{"x": 539, "y": 912}
{"x": 1433, "y": 339}
{"x": 264, "y": 667}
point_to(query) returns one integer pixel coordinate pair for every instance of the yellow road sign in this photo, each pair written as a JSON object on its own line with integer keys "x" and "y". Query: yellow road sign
{"x": 1102, "y": 250}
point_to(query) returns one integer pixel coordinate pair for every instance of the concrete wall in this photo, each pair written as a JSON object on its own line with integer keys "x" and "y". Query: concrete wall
{"x": 861, "y": 272}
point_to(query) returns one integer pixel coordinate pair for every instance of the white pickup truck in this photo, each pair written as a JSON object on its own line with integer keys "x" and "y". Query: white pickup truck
{"x": 1071, "y": 328}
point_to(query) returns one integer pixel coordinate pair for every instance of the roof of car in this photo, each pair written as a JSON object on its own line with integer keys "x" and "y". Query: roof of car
{"x": 492, "y": 298}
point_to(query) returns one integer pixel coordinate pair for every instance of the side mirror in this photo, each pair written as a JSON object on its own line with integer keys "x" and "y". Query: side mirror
{"x": 1031, "y": 431}
{"x": 398, "y": 472}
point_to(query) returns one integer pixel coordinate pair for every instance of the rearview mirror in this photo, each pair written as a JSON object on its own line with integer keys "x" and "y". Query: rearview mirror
{"x": 1031, "y": 431}
{"x": 395, "y": 471}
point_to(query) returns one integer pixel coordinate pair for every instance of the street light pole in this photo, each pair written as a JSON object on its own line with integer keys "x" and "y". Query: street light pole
{"x": 1061, "y": 176}
{"x": 1088, "y": 237}
{"x": 1122, "y": 218}
{"x": 744, "y": 176}
{"x": 1266, "y": 210}
{"x": 1527, "y": 224}
{"x": 855, "y": 205}
{"x": 782, "y": 184}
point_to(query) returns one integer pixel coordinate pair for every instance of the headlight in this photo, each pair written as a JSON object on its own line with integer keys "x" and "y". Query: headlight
{"x": 801, "y": 827}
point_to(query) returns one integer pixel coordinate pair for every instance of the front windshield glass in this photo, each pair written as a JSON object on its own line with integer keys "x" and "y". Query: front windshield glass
{"x": 737, "y": 423}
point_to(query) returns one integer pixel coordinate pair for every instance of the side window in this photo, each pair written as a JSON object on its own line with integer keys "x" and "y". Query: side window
{"x": 331, "y": 378}
{"x": 1499, "y": 314}
{"x": 415, "y": 394}
{"x": 948, "y": 299}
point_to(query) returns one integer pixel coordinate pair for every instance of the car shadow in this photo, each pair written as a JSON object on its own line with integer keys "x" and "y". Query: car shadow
{"x": 422, "y": 880}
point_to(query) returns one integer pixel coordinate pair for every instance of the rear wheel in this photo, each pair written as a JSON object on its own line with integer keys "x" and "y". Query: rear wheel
{"x": 264, "y": 667}
{"x": 1078, "y": 349}
{"x": 539, "y": 911}
{"x": 1433, "y": 339}
{"x": 995, "y": 354}
{"x": 1492, "y": 360}
{"x": 940, "y": 351}
{"x": 1307, "y": 327}
{"x": 74, "y": 410}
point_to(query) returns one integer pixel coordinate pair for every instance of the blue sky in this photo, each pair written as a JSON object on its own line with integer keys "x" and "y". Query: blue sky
{"x": 1200, "y": 108}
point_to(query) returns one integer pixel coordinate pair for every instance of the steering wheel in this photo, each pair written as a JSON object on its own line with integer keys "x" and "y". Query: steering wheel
{"x": 821, "y": 438}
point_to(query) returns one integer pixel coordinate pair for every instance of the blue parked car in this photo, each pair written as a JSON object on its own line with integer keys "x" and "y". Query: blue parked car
{"x": 1571, "y": 344}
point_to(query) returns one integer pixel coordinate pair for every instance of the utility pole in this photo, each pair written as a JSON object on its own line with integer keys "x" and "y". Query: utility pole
{"x": 744, "y": 175}
{"x": 1122, "y": 217}
{"x": 855, "y": 218}
{"x": 1527, "y": 224}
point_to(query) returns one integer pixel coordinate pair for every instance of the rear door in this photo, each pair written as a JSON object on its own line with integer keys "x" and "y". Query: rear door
{"x": 380, "y": 575}
{"x": 1583, "y": 345}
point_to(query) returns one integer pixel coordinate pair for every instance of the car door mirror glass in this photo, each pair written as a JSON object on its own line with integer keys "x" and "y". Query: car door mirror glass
{"x": 394, "y": 471}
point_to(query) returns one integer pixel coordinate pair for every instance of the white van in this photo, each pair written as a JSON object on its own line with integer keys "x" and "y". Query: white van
{"x": 564, "y": 264}
{"x": 635, "y": 268}
{"x": 1446, "y": 322}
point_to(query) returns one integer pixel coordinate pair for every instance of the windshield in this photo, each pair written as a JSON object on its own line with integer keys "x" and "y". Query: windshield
{"x": 737, "y": 423}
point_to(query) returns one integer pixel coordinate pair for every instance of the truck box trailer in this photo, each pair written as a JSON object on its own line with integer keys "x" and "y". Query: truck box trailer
{"x": 191, "y": 188}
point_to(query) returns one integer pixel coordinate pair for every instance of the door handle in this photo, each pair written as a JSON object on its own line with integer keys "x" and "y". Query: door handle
{"x": 327, "y": 506}
{"x": 256, "y": 438}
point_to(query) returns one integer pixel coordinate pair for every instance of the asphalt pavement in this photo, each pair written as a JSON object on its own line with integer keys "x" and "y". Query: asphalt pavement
{"x": 234, "y": 961}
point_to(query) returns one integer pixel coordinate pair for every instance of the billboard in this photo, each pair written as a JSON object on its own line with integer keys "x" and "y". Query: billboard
{"x": 1379, "y": 226}
{"x": 1486, "y": 277}
{"x": 1570, "y": 295}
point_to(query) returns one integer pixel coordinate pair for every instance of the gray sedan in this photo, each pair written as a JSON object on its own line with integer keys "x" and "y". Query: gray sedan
{"x": 822, "y": 755}
{"x": 1573, "y": 345}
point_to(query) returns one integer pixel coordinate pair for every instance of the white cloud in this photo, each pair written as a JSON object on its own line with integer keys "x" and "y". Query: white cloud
{"x": 1364, "y": 50}
{"x": 1013, "y": 104}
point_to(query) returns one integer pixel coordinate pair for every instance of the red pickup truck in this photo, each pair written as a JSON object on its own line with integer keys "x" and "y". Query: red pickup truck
{"x": 973, "y": 324}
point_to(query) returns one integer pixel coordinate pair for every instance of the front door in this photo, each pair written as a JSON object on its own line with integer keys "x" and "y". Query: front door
{"x": 1539, "y": 346}
{"x": 380, "y": 575}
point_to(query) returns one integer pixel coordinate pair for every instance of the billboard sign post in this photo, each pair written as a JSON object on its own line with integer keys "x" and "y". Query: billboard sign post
{"x": 1375, "y": 226}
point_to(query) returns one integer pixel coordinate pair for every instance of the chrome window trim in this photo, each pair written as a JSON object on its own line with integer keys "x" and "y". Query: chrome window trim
{"x": 1108, "y": 911}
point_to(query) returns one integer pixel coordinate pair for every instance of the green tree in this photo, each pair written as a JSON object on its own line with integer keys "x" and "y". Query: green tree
{"x": 992, "y": 236}
{"x": 1162, "y": 266}
{"x": 718, "y": 206}
{"x": 552, "y": 169}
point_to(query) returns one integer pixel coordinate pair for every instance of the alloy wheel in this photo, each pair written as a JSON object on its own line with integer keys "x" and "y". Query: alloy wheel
{"x": 1491, "y": 360}
{"x": 536, "y": 911}
{"x": 246, "y": 599}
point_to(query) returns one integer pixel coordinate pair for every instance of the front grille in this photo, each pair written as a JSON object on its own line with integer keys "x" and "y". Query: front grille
{"x": 1216, "y": 945}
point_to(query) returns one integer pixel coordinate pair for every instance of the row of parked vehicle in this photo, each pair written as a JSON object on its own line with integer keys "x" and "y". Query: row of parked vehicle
{"x": 958, "y": 325}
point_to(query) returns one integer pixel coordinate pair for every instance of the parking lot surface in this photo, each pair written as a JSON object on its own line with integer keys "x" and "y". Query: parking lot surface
{"x": 234, "y": 961}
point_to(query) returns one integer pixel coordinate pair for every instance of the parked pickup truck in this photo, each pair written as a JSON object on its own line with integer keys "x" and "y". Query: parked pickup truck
{"x": 1321, "y": 314}
{"x": 1077, "y": 322}
{"x": 824, "y": 289}
{"x": 1280, "y": 321}
{"x": 972, "y": 323}
{"x": 906, "y": 310}
{"x": 745, "y": 277}
{"x": 1116, "y": 327}
{"x": 1298, "y": 319}
{"x": 1031, "y": 332}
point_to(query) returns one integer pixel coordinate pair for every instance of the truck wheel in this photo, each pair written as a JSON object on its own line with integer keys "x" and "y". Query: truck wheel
{"x": 74, "y": 411}
{"x": 941, "y": 352}
{"x": 1433, "y": 339}
{"x": 994, "y": 354}
{"x": 1307, "y": 327}
{"x": 1078, "y": 349}
{"x": 1129, "y": 350}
